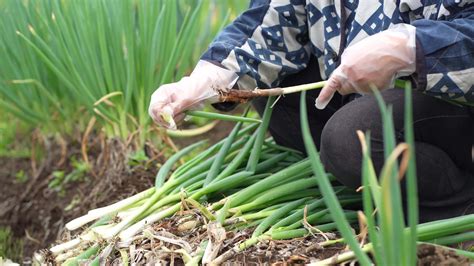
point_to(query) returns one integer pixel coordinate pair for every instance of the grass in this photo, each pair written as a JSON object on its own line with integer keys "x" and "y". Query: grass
{"x": 10, "y": 247}
{"x": 10, "y": 145}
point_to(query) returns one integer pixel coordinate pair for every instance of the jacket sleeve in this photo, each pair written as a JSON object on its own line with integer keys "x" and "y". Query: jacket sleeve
{"x": 445, "y": 51}
{"x": 264, "y": 44}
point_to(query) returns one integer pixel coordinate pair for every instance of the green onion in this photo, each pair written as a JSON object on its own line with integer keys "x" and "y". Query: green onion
{"x": 262, "y": 130}
{"x": 224, "y": 117}
{"x": 166, "y": 168}
{"x": 93, "y": 250}
{"x": 411, "y": 183}
{"x": 223, "y": 151}
{"x": 326, "y": 188}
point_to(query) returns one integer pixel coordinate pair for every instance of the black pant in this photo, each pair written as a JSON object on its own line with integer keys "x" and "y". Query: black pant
{"x": 444, "y": 135}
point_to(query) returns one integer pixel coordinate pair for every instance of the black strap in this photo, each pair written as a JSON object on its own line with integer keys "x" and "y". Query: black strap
{"x": 342, "y": 44}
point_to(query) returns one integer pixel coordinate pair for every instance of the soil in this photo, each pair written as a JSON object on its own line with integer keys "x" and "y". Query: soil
{"x": 434, "y": 255}
{"x": 37, "y": 214}
{"x": 299, "y": 251}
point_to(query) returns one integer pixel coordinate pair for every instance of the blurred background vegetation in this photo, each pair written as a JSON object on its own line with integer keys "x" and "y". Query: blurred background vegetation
{"x": 67, "y": 65}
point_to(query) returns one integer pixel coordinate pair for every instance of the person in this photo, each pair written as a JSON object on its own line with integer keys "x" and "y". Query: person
{"x": 355, "y": 45}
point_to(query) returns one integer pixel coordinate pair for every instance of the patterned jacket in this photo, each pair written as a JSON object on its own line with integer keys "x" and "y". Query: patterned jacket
{"x": 275, "y": 38}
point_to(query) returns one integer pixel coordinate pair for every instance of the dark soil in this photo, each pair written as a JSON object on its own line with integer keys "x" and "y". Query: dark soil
{"x": 299, "y": 251}
{"x": 37, "y": 214}
{"x": 434, "y": 255}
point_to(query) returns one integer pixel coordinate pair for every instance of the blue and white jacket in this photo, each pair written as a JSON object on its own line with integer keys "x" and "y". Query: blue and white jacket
{"x": 275, "y": 38}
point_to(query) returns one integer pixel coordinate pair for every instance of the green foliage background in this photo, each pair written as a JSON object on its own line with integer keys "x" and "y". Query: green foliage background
{"x": 64, "y": 62}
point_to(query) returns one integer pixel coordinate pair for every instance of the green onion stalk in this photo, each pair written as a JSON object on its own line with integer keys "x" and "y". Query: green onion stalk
{"x": 442, "y": 232}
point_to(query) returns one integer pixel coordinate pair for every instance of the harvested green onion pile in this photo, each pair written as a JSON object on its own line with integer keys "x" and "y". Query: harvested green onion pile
{"x": 243, "y": 181}
{"x": 245, "y": 187}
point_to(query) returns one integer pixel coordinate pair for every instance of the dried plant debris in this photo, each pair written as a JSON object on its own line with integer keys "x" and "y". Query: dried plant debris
{"x": 185, "y": 238}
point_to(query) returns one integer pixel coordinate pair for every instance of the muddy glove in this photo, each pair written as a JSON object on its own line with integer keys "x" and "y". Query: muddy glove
{"x": 169, "y": 101}
{"x": 374, "y": 61}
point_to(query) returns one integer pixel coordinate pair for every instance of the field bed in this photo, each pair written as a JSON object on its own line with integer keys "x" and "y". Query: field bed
{"x": 259, "y": 205}
{"x": 45, "y": 225}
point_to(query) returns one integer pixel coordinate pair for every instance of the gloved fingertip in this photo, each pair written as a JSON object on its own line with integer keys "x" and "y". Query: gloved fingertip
{"x": 323, "y": 99}
{"x": 321, "y": 104}
{"x": 326, "y": 94}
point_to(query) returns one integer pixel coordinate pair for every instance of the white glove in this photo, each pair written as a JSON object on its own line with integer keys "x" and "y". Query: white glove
{"x": 374, "y": 61}
{"x": 169, "y": 101}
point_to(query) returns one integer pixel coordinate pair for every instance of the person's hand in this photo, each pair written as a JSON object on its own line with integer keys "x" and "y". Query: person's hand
{"x": 374, "y": 62}
{"x": 169, "y": 101}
